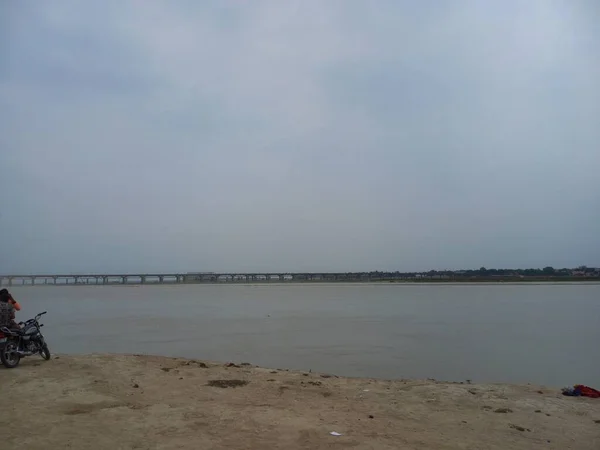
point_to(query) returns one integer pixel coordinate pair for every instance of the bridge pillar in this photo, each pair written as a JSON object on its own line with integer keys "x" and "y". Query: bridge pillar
{"x": 161, "y": 279}
{"x": 124, "y": 280}
{"x": 143, "y": 279}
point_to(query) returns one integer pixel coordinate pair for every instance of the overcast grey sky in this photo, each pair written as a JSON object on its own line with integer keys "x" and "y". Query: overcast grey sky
{"x": 298, "y": 135}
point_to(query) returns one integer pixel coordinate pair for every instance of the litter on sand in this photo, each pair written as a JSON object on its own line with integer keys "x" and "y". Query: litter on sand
{"x": 581, "y": 390}
{"x": 335, "y": 433}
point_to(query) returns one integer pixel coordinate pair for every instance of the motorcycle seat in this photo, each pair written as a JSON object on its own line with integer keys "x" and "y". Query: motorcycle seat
{"x": 12, "y": 330}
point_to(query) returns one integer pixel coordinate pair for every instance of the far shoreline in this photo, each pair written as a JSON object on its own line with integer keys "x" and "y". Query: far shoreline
{"x": 329, "y": 283}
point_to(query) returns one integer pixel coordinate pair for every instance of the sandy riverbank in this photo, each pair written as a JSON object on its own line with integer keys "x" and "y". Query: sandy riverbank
{"x": 143, "y": 402}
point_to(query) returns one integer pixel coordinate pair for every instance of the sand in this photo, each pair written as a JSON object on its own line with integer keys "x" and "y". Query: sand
{"x": 145, "y": 402}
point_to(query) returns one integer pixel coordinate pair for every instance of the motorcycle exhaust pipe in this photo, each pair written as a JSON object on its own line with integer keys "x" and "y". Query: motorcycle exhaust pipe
{"x": 22, "y": 353}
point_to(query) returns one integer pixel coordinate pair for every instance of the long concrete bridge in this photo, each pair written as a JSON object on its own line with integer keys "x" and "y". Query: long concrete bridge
{"x": 178, "y": 278}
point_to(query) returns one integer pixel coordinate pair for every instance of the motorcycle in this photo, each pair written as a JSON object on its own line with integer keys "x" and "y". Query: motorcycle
{"x": 26, "y": 341}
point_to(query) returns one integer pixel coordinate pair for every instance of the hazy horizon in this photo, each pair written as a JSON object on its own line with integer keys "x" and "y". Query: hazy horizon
{"x": 298, "y": 136}
{"x": 276, "y": 272}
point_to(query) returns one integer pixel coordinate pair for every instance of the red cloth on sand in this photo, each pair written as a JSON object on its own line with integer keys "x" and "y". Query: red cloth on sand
{"x": 587, "y": 391}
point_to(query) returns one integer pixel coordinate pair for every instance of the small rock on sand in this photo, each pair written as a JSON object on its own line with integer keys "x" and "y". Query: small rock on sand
{"x": 198, "y": 363}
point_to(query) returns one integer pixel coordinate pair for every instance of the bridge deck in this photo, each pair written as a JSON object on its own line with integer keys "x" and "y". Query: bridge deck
{"x": 163, "y": 278}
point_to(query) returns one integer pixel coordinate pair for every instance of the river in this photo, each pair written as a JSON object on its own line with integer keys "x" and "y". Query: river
{"x": 538, "y": 333}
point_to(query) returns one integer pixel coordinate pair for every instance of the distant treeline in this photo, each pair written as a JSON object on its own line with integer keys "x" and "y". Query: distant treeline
{"x": 485, "y": 273}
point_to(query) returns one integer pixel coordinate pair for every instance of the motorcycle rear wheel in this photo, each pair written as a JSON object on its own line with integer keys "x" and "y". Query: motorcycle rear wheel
{"x": 9, "y": 356}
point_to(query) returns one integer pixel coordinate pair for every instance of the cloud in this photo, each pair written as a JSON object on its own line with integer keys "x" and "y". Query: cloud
{"x": 301, "y": 135}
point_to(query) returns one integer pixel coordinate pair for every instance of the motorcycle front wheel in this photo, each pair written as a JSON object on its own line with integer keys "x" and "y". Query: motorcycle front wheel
{"x": 9, "y": 356}
{"x": 45, "y": 352}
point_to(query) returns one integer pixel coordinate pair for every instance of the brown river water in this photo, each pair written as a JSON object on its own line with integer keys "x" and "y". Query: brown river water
{"x": 539, "y": 333}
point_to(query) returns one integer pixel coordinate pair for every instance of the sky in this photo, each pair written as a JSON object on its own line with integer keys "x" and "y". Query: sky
{"x": 298, "y": 135}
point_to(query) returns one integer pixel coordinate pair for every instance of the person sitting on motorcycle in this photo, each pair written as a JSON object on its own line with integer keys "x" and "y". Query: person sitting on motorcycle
{"x": 5, "y": 296}
{"x": 7, "y": 310}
